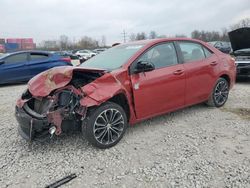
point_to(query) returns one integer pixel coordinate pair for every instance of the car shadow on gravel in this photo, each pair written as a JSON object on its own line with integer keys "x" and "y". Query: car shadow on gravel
{"x": 76, "y": 140}
{"x": 170, "y": 117}
{"x": 243, "y": 80}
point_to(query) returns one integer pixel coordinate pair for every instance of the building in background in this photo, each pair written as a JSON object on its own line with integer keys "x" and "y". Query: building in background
{"x": 16, "y": 44}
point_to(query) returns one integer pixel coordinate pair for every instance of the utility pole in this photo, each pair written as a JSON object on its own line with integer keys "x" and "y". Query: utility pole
{"x": 124, "y": 35}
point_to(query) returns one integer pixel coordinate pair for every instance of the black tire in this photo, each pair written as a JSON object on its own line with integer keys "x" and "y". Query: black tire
{"x": 101, "y": 133}
{"x": 220, "y": 93}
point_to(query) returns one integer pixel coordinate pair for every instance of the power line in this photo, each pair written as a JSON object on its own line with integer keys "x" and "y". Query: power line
{"x": 124, "y": 35}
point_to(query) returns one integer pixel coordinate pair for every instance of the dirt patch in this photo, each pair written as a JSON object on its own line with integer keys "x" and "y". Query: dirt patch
{"x": 243, "y": 113}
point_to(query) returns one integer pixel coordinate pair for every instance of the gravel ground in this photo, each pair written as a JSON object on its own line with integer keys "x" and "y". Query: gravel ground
{"x": 194, "y": 147}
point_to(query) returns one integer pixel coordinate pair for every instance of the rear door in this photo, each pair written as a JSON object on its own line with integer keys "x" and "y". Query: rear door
{"x": 14, "y": 68}
{"x": 162, "y": 89}
{"x": 201, "y": 66}
{"x": 39, "y": 62}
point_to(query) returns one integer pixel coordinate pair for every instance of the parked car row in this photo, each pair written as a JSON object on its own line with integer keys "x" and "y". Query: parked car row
{"x": 22, "y": 66}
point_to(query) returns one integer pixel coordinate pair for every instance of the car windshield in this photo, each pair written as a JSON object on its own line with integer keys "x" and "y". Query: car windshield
{"x": 113, "y": 58}
{"x": 3, "y": 55}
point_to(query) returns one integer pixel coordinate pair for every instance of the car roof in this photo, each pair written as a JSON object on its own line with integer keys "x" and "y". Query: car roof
{"x": 25, "y": 51}
{"x": 30, "y": 51}
{"x": 158, "y": 40}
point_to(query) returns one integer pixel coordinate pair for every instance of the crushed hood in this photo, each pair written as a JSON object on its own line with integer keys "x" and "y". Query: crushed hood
{"x": 240, "y": 38}
{"x": 44, "y": 83}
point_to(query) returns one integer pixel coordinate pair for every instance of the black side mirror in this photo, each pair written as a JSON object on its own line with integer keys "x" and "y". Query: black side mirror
{"x": 144, "y": 66}
{"x": 1, "y": 62}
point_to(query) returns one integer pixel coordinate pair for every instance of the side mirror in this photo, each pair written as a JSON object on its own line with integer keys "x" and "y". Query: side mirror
{"x": 144, "y": 66}
{"x": 1, "y": 62}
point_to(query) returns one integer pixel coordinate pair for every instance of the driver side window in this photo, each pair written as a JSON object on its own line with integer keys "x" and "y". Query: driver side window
{"x": 162, "y": 55}
{"x": 17, "y": 58}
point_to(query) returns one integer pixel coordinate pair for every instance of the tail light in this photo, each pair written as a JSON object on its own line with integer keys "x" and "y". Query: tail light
{"x": 66, "y": 59}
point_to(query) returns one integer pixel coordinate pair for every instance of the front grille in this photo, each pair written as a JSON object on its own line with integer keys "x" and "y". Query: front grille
{"x": 243, "y": 65}
{"x": 242, "y": 58}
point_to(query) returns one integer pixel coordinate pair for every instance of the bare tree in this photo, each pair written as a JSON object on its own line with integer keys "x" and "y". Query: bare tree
{"x": 103, "y": 41}
{"x": 152, "y": 35}
{"x": 87, "y": 42}
{"x": 180, "y": 36}
{"x": 242, "y": 23}
{"x": 64, "y": 42}
{"x": 141, "y": 36}
{"x": 132, "y": 37}
{"x": 162, "y": 36}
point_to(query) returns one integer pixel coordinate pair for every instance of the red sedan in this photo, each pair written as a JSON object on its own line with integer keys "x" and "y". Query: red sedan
{"x": 124, "y": 85}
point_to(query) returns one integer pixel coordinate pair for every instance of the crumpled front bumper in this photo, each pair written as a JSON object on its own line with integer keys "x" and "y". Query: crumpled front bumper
{"x": 31, "y": 128}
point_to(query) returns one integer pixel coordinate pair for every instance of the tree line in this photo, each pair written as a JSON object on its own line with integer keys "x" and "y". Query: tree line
{"x": 64, "y": 43}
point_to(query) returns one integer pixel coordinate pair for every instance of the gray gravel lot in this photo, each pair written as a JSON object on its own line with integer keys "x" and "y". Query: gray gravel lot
{"x": 194, "y": 147}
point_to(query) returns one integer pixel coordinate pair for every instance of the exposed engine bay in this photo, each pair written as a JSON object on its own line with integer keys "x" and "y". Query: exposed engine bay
{"x": 58, "y": 112}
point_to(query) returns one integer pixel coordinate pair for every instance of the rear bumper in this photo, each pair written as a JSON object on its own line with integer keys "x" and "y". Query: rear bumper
{"x": 31, "y": 128}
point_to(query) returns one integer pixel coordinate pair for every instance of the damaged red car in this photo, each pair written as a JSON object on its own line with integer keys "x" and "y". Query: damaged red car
{"x": 122, "y": 86}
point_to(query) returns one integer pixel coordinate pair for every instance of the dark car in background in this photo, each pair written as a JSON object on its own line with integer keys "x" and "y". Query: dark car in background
{"x": 240, "y": 40}
{"x": 224, "y": 47}
{"x": 22, "y": 66}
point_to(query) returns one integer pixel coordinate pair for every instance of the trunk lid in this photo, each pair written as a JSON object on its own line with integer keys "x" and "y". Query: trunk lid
{"x": 240, "y": 38}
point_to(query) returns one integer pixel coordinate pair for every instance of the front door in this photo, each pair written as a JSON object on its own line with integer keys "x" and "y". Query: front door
{"x": 162, "y": 89}
{"x": 14, "y": 68}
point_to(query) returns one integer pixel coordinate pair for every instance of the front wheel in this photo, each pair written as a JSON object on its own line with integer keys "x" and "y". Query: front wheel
{"x": 220, "y": 93}
{"x": 105, "y": 125}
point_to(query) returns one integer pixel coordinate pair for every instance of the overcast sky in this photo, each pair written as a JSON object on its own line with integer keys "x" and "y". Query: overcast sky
{"x": 48, "y": 19}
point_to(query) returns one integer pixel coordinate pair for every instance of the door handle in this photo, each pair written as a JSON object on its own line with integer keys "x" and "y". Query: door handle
{"x": 213, "y": 63}
{"x": 178, "y": 72}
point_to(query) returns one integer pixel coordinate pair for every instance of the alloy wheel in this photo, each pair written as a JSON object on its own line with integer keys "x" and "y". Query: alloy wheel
{"x": 108, "y": 126}
{"x": 221, "y": 92}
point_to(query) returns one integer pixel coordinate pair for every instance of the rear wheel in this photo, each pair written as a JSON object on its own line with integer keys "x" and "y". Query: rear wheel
{"x": 105, "y": 125}
{"x": 220, "y": 93}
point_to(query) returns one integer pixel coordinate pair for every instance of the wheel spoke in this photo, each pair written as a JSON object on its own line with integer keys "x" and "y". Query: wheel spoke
{"x": 103, "y": 119}
{"x": 101, "y": 134}
{"x": 117, "y": 129}
{"x": 104, "y": 134}
{"x": 105, "y": 116}
{"x": 111, "y": 135}
{"x": 115, "y": 121}
{"x": 100, "y": 124}
{"x": 99, "y": 128}
{"x": 113, "y": 130}
{"x": 114, "y": 114}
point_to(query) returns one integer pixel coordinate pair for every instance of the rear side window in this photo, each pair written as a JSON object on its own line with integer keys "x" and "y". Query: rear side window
{"x": 38, "y": 56}
{"x": 18, "y": 58}
{"x": 191, "y": 51}
{"x": 162, "y": 55}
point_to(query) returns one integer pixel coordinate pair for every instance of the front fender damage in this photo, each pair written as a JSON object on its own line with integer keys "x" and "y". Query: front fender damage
{"x": 101, "y": 90}
{"x": 60, "y": 102}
